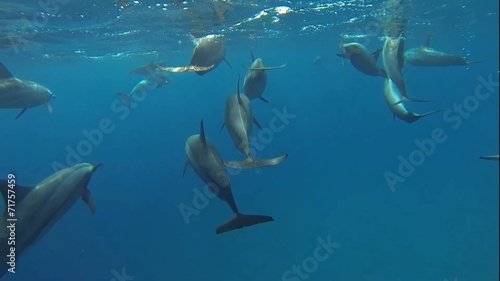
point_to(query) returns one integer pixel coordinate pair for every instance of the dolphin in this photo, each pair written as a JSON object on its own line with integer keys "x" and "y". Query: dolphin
{"x": 153, "y": 82}
{"x": 361, "y": 59}
{"x": 38, "y": 208}
{"x": 256, "y": 78}
{"x": 209, "y": 51}
{"x": 392, "y": 98}
{"x": 393, "y": 59}
{"x": 239, "y": 120}
{"x": 429, "y": 57}
{"x": 490, "y": 157}
{"x": 205, "y": 160}
{"x": 148, "y": 69}
{"x": 23, "y": 94}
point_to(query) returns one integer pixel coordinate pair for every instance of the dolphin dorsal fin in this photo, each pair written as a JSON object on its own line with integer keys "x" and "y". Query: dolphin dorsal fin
{"x": 251, "y": 55}
{"x": 238, "y": 90}
{"x": 20, "y": 191}
{"x": 4, "y": 72}
{"x": 427, "y": 42}
{"x": 202, "y": 133}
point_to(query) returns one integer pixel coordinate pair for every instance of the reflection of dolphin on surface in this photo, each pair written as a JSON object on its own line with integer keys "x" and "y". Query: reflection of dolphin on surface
{"x": 490, "y": 157}
{"x": 152, "y": 82}
{"x": 239, "y": 121}
{"x": 256, "y": 78}
{"x": 361, "y": 59}
{"x": 38, "y": 208}
{"x": 393, "y": 96}
{"x": 429, "y": 57}
{"x": 22, "y": 94}
{"x": 205, "y": 160}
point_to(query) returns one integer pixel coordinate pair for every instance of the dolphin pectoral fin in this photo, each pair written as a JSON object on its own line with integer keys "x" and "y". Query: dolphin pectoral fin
{"x": 89, "y": 200}
{"x": 376, "y": 54}
{"x": 21, "y": 113}
{"x": 49, "y": 108}
{"x": 257, "y": 123}
{"x": 263, "y": 99}
{"x": 408, "y": 99}
{"x": 428, "y": 113}
{"x": 265, "y": 67}
{"x": 251, "y": 163}
{"x": 251, "y": 55}
{"x": 125, "y": 98}
{"x": 240, "y": 221}
{"x": 228, "y": 63}
{"x": 222, "y": 127}
{"x": 490, "y": 157}
{"x": 186, "y": 165}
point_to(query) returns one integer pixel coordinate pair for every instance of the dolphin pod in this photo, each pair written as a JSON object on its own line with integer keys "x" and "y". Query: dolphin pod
{"x": 38, "y": 208}
{"x": 428, "y": 57}
{"x": 205, "y": 160}
{"x": 238, "y": 121}
{"x": 22, "y": 94}
{"x": 256, "y": 78}
{"x": 361, "y": 59}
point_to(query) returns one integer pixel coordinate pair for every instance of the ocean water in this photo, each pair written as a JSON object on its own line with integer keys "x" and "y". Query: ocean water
{"x": 440, "y": 222}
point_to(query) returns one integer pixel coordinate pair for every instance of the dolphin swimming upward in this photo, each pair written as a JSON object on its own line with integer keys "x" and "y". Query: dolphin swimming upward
{"x": 239, "y": 121}
{"x": 204, "y": 158}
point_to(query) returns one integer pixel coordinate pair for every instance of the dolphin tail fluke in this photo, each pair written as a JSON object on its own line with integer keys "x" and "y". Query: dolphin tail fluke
{"x": 490, "y": 157}
{"x": 22, "y": 112}
{"x": 240, "y": 221}
{"x": 251, "y": 163}
{"x": 125, "y": 98}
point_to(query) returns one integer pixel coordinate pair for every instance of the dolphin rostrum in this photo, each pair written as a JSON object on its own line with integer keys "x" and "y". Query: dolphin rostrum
{"x": 393, "y": 96}
{"x": 256, "y": 78}
{"x": 23, "y": 94}
{"x": 393, "y": 59}
{"x": 38, "y": 208}
{"x": 427, "y": 56}
{"x": 239, "y": 121}
{"x": 361, "y": 59}
{"x": 209, "y": 51}
{"x": 205, "y": 160}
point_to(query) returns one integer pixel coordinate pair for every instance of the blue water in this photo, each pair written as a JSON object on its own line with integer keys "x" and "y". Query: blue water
{"x": 440, "y": 223}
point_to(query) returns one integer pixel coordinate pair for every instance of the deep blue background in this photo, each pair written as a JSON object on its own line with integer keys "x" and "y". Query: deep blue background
{"x": 442, "y": 222}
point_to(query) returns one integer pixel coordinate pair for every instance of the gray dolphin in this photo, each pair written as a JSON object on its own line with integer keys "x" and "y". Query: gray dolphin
{"x": 393, "y": 97}
{"x": 256, "y": 78}
{"x": 209, "y": 51}
{"x": 152, "y": 82}
{"x": 239, "y": 121}
{"x": 205, "y": 160}
{"x": 393, "y": 59}
{"x": 490, "y": 157}
{"x": 361, "y": 59}
{"x": 38, "y": 208}
{"x": 429, "y": 57}
{"x": 23, "y": 94}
